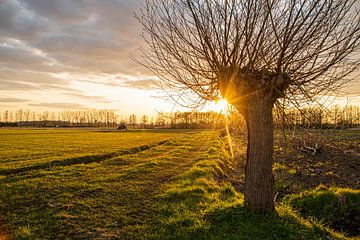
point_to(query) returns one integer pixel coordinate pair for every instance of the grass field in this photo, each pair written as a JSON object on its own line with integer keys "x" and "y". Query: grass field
{"x": 22, "y": 150}
{"x": 82, "y": 184}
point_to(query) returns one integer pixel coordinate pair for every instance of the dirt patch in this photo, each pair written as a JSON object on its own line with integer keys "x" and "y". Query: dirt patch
{"x": 3, "y": 236}
{"x": 338, "y": 163}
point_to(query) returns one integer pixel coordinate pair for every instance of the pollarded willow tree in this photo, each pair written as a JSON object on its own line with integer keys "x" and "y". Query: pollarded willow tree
{"x": 252, "y": 53}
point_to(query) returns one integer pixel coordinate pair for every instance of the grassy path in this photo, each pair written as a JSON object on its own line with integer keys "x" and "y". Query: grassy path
{"x": 96, "y": 200}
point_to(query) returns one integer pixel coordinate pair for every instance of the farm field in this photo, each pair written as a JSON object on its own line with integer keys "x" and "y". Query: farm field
{"x": 161, "y": 185}
{"x": 22, "y": 150}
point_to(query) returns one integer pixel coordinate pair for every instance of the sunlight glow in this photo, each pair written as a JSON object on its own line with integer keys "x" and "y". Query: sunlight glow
{"x": 221, "y": 105}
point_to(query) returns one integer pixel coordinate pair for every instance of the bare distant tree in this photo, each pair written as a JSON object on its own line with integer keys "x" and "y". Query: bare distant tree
{"x": 11, "y": 116}
{"x": 132, "y": 120}
{"x": 252, "y": 53}
{"x": 19, "y": 114}
{"x": 27, "y": 115}
{"x": 44, "y": 116}
{"x": 144, "y": 120}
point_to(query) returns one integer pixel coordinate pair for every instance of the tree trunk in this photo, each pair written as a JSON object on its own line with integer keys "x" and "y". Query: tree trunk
{"x": 259, "y": 181}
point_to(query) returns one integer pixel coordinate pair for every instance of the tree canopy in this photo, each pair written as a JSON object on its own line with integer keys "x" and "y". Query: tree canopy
{"x": 303, "y": 48}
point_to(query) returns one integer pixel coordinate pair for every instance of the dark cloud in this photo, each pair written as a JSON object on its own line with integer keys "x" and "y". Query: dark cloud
{"x": 352, "y": 88}
{"x": 59, "y": 105}
{"x": 13, "y": 100}
{"x": 63, "y": 11}
{"x": 14, "y": 54}
{"x": 88, "y": 35}
{"x": 17, "y": 21}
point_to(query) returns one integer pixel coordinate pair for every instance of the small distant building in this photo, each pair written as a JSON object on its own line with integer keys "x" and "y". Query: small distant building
{"x": 122, "y": 127}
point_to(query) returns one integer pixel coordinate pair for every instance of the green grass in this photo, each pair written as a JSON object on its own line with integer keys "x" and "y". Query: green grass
{"x": 36, "y": 148}
{"x": 97, "y": 199}
{"x": 175, "y": 190}
{"x": 338, "y": 208}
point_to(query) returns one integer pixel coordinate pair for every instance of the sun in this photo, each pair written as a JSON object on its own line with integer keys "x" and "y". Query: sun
{"x": 221, "y": 105}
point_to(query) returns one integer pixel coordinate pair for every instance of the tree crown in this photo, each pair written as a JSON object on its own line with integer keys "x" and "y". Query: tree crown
{"x": 232, "y": 48}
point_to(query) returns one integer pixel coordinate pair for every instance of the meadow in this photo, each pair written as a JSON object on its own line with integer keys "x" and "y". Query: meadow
{"x": 167, "y": 184}
{"x": 22, "y": 150}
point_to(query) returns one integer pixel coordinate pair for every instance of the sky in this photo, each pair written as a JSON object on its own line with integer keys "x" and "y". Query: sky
{"x": 74, "y": 54}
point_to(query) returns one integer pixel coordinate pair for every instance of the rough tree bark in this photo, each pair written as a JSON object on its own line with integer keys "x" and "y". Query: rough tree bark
{"x": 256, "y": 106}
{"x": 259, "y": 179}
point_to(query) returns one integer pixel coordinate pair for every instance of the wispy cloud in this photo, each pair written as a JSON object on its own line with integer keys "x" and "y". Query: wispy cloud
{"x": 98, "y": 99}
{"x": 59, "y": 105}
{"x": 13, "y": 100}
{"x": 141, "y": 84}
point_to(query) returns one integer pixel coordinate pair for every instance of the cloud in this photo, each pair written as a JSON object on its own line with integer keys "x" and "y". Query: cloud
{"x": 17, "y": 21}
{"x": 16, "y": 54}
{"x": 59, "y": 105}
{"x": 81, "y": 35}
{"x": 44, "y": 44}
{"x": 13, "y": 100}
{"x": 63, "y": 11}
{"x": 9, "y": 86}
{"x": 147, "y": 84}
{"x": 26, "y": 80}
{"x": 98, "y": 99}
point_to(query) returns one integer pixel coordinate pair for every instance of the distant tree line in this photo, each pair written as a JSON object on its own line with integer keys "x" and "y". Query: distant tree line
{"x": 110, "y": 119}
{"x": 335, "y": 117}
{"x": 84, "y": 118}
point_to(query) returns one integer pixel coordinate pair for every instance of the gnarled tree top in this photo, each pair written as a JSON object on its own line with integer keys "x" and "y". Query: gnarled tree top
{"x": 299, "y": 48}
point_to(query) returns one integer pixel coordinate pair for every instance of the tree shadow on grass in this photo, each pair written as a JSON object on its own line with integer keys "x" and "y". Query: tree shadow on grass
{"x": 237, "y": 223}
{"x": 205, "y": 212}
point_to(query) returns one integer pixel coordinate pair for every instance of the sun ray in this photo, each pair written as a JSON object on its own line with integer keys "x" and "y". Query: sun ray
{"x": 228, "y": 135}
{"x": 222, "y": 106}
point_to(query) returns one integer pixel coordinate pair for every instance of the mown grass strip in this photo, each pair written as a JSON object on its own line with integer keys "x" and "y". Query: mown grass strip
{"x": 81, "y": 160}
{"x": 22, "y": 148}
